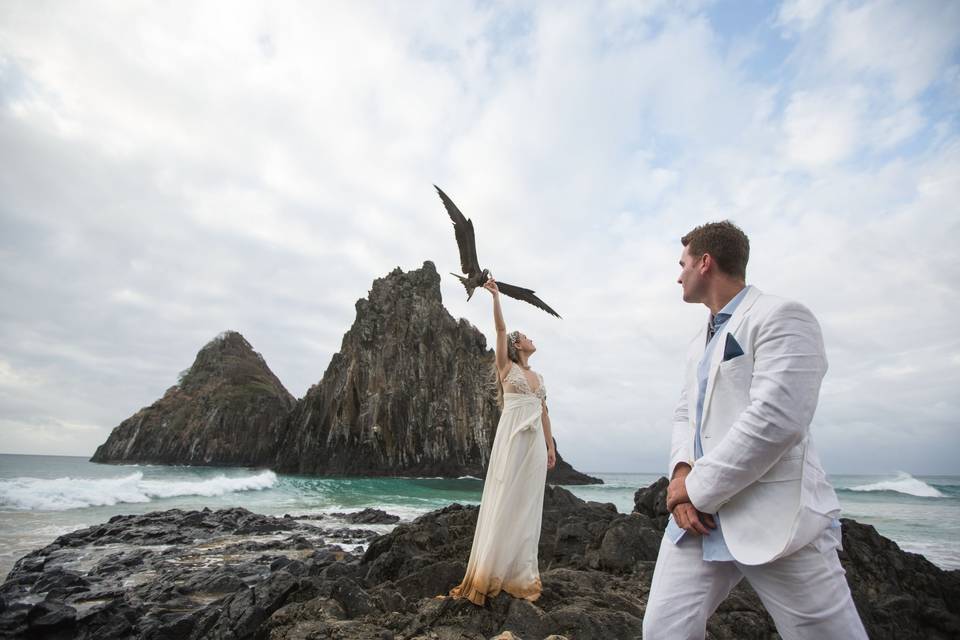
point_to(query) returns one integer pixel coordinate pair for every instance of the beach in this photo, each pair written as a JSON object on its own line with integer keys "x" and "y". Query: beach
{"x": 43, "y": 497}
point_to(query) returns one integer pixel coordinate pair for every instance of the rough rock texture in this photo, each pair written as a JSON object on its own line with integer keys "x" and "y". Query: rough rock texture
{"x": 408, "y": 393}
{"x": 228, "y": 409}
{"x": 234, "y": 574}
{"x": 171, "y": 574}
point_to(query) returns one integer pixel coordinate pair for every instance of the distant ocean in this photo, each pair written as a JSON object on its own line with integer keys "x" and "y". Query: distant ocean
{"x": 42, "y": 497}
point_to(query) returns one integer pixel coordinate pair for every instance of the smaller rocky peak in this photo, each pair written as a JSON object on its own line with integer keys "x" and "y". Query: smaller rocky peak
{"x": 229, "y": 358}
{"x": 227, "y": 344}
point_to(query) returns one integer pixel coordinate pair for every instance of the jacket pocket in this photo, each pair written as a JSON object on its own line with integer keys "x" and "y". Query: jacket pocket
{"x": 736, "y": 372}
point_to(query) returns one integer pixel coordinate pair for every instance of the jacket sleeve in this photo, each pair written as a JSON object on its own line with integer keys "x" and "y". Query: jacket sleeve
{"x": 789, "y": 364}
{"x": 682, "y": 437}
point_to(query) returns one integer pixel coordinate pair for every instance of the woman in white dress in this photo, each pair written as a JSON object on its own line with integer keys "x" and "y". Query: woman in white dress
{"x": 504, "y": 553}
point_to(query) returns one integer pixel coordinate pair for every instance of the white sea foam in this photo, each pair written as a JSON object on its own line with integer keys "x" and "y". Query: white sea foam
{"x": 41, "y": 494}
{"x": 903, "y": 483}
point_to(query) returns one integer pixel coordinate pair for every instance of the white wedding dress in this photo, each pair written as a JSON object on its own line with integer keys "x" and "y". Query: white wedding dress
{"x": 504, "y": 553}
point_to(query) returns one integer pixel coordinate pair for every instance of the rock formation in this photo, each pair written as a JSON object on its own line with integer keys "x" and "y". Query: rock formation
{"x": 408, "y": 394}
{"x": 227, "y": 409}
{"x": 238, "y": 575}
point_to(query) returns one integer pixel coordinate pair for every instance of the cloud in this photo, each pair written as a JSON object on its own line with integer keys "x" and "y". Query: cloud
{"x": 800, "y": 14}
{"x": 821, "y": 129}
{"x": 904, "y": 44}
{"x": 171, "y": 172}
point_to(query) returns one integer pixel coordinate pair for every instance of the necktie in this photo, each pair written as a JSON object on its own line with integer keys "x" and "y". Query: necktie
{"x": 715, "y": 325}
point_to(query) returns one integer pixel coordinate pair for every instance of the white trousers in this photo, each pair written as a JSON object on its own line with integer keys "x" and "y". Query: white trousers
{"x": 806, "y": 593}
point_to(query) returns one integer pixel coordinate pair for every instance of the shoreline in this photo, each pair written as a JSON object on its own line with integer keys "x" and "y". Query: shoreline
{"x": 44, "y": 485}
{"x": 208, "y": 573}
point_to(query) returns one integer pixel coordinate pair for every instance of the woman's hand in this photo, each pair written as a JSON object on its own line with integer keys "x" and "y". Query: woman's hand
{"x": 551, "y": 458}
{"x": 491, "y": 286}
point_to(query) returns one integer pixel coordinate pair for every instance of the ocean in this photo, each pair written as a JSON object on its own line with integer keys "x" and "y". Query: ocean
{"x": 42, "y": 497}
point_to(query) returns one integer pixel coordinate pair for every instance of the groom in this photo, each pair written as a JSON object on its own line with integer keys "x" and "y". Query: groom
{"x": 748, "y": 496}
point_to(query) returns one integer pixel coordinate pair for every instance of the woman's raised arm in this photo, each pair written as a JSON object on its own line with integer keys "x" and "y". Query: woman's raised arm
{"x": 502, "y": 360}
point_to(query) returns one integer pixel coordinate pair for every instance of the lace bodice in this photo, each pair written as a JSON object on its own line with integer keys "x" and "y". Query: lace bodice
{"x": 516, "y": 382}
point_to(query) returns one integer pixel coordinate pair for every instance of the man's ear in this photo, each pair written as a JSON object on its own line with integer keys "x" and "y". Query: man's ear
{"x": 706, "y": 263}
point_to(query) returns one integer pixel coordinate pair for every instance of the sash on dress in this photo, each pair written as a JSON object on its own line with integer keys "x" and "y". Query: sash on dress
{"x": 519, "y": 402}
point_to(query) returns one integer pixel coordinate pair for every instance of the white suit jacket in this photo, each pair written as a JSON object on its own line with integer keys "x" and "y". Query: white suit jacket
{"x": 759, "y": 470}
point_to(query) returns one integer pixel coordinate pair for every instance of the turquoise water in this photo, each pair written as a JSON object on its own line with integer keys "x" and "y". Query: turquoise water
{"x": 42, "y": 497}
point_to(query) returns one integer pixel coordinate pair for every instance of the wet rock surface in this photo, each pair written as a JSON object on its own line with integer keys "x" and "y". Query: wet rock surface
{"x": 234, "y": 574}
{"x": 172, "y": 574}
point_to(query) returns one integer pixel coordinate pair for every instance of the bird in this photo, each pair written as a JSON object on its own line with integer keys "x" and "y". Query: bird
{"x": 470, "y": 265}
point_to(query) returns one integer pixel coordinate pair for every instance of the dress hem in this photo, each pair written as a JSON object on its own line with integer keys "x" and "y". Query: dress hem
{"x": 479, "y": 597}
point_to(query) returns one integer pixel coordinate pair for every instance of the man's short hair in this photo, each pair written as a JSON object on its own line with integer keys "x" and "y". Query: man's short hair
{"x": 726, "y": 243}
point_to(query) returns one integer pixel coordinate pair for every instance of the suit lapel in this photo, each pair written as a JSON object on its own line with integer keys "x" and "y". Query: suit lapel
{"x": 716, "y": 357}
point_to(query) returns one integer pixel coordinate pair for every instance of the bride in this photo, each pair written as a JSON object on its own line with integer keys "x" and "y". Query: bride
{"x": 504, "y": 553}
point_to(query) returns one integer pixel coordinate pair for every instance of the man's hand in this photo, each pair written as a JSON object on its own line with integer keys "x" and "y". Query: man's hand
{"x": 677, "y": 491}
{"x": 692, "y": 521}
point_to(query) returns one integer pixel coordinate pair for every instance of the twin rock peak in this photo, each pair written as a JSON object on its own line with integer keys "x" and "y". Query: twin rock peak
{"x": 408, "y": 394}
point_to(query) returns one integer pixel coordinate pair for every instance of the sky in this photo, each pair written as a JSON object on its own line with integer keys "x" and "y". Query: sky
{"x": 172, "y": 170}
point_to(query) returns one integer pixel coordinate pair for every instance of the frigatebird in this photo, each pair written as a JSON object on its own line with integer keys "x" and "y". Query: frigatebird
{"x": 475, "y": 276}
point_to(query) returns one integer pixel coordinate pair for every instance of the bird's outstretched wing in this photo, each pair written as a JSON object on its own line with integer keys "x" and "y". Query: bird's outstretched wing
{"x": 526, "y": 295}
{"x": 463, "y": 229}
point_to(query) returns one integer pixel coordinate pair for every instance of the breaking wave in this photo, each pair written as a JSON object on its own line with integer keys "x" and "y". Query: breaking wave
{"x": 903, "y": 483}
{"x": 57, "y": 494}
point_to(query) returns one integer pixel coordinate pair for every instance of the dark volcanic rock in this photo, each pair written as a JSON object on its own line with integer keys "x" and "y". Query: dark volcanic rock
{"x": 652, "y": 502}
{"x": 283, "y": 582}
{"x": 228, "y": 409}
{"x": 167, "y": 574}
{"x": 408, "y": 393}
{"x": 898, "y": 594}
{"x": 368, "y": 516}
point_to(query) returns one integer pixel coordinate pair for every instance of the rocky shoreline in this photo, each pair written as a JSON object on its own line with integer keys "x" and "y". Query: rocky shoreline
{"x": 235, "y": 574}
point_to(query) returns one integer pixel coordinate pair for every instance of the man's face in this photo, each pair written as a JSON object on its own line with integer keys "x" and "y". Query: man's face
{"x": 691, "y": 278}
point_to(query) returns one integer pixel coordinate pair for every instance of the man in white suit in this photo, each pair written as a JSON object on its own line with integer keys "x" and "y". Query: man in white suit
{"x": 748, "y": 496}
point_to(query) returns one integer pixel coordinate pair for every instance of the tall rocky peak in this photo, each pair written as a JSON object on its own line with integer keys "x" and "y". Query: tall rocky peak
{"x": 227, "y": 409}
{"x": 409, "y": 393}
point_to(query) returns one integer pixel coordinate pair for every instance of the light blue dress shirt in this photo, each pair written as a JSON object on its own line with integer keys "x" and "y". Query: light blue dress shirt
{"x": 714, "y": 547}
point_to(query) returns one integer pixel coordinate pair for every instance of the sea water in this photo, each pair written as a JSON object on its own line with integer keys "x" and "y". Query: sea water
{"x": 42, "y": 497}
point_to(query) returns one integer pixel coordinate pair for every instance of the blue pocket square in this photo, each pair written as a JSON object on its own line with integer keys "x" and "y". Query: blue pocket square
{"x": 732, "y": 348}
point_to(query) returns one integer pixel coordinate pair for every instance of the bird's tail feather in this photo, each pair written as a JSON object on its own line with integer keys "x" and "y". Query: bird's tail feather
{"x": 465, "y": 284}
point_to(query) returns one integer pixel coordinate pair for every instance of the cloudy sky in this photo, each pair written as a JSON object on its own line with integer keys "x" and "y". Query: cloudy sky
{"x": 170, "y": 170}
